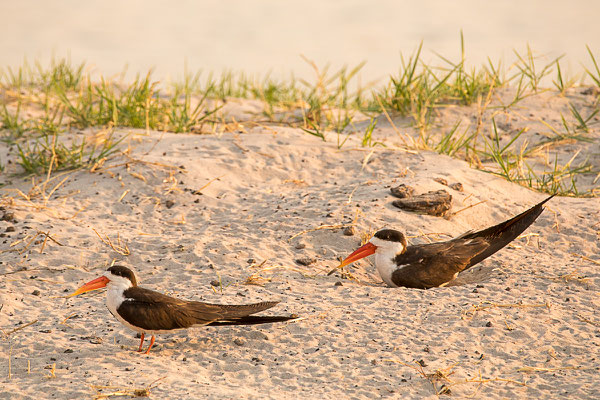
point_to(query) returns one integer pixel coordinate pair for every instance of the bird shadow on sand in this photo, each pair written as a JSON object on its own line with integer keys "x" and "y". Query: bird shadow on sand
{"x": 475, "y": 275}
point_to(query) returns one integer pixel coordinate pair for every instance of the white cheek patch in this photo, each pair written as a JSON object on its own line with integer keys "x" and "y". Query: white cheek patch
{"x": 385, "y": 256}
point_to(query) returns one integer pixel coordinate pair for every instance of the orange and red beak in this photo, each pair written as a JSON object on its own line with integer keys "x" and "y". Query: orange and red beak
{"x": 363, "y": 251}
{"x": 97, "y": 283}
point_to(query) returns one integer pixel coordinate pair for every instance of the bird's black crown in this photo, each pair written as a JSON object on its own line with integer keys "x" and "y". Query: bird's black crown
{"x": 125, "y": 272}
{"x": 391, "y": 235}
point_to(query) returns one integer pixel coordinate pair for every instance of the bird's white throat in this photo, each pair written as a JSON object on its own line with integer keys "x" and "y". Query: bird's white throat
{"x": 114, "y": 291}
{"x": 384, "y": 258}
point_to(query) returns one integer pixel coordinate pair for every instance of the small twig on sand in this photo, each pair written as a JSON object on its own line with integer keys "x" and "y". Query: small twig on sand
{"x": 589, "y": 321}
{"x": 20, "y": 327}
{"x": 69, "y": 317}
{"x": 586, "y": 258}
{"x": 52, "y": 372}
{"x": 463, "y": 209}
{"x": 444, "y": 376}
{"x": 208, "y": 183}
{"x": 47, "y": 234}
{"x": 121, "y": 391}
{"x": 530, "y": 370}
{"x": 256, "y": 279}
{"x": 351, "y": 194}
{"x": 317, "y": 229}
{"x": 119, "y": 247}
{"x": 571, "y": 276}
{"x": 438, "y": 375}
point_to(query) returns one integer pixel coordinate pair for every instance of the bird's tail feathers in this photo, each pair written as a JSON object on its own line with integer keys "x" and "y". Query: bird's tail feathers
{"x": 253, "y": 320}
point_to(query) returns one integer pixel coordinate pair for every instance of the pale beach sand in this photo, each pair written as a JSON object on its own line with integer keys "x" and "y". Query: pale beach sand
{"x": 525, "y": 323}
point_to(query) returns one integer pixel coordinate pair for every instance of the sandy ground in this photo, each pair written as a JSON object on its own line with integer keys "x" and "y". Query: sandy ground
{"x": 240, "y": 209}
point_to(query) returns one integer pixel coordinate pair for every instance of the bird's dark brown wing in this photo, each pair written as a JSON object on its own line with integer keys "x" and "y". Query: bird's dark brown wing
{"x": 502, "y": 234}
{"x": 152, "y": 310}
{"x": 431, "y": 265}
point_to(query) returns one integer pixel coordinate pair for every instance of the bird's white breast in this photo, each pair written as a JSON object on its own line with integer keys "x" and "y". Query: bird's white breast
{"x": 385, "y": 266}
{"x": 114, "y": 298}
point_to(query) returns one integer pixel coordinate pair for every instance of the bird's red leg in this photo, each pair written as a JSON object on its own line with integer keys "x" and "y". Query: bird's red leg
{"x": 141, "y": 343}
{"x": 151, "y": 343}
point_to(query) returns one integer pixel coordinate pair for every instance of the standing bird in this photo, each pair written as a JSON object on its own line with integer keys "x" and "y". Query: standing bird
{"x": 430, "y": 265}
{"x": 146, "y": 311}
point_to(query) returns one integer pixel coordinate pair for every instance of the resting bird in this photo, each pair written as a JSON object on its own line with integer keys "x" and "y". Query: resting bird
{"x": 149, "y": 312}
{"x": 430, "y": 265}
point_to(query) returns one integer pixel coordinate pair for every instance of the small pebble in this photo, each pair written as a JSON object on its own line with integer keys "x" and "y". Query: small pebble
{"x": 402, "y": 191}
{"x": 8, "y": 217}
{"x": 306, "y": 261}
{"x": 35, "y": 292}
{"x": 169, "y": 203}
{"x": 300, "y": 246}
{"x": 349, "y": 231}
{"x": 239, "y": 341}
{"x": 456, "y": 186}
{"x": 488, "y": 325}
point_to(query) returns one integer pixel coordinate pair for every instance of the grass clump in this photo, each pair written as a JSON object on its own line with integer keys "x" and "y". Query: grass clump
{"x": 48, "y": 153}
{"x": 39, "y": 105}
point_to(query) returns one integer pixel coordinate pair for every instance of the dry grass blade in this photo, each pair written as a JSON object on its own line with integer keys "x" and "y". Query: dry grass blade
{"x": 589, "y": 321}
{"x": 443, "y": 375}
{"x": 257, "y": 279}
{"x": 530, "y": 370}
{"x": 124, "y": 391}
{"x": 19, "y": 328}
{"x": 52, "y": 372}
{"x": 119, "y": 246}
{"x": 463, "y": 209}
{"x": 47, "y": 234}
{"x": 341, "y": 226}
{"x": 208, "y": 183}
{"x": 387, "y": 116}
{"x": 30, "y": 239}
{"x": 571, "y": 276}
{"x": 586, "y": 258}
{"x": 433, "y": 378}
{"x": 123, "y": 195}
{"x": 64, "y": 321}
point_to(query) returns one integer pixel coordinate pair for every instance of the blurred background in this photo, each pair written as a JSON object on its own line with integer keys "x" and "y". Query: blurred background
{"x": 268, "y": 36}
